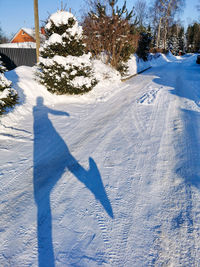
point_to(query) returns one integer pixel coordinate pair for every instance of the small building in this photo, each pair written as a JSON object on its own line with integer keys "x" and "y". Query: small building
{"x": 27, "y": 35}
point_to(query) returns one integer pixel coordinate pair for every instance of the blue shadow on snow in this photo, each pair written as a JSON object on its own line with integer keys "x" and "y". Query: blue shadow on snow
{"x": 184, "y": 83}
{"x": 51, "y": 158}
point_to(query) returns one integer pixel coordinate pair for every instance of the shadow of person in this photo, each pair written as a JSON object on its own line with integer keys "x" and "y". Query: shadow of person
{"x": 51, "y": 158}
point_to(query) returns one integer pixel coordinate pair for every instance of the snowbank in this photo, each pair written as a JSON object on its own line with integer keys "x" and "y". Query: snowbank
{"x": 29, "y": 89}
{"x": 109, "y": 84}
{"x": 136, "y": 65}
{"x": 105, "y": 73}
{"x": 160, "y": 59}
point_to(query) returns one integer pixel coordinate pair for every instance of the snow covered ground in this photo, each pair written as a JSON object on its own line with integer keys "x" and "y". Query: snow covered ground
{"x": 111, "y": 178}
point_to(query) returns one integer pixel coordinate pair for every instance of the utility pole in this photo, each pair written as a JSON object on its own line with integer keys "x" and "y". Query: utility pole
{"x": 37, "y": 35}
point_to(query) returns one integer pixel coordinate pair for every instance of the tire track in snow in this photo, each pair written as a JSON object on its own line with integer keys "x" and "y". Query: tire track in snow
{"x": 159, "y": 109}
{"x": 114, "y": 253}
{"x": 175, "y": 243}
{"x": 123, "y": 225}
{"x": 119, "y": 231}
{"x": 182, "y": 228}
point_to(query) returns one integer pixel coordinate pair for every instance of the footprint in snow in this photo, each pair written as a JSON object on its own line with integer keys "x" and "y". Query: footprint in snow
{"x": 149, "y": 97}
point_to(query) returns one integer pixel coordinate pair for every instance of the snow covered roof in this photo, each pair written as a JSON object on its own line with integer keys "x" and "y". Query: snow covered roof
{"x": 19, "y": 45}
{"x": 29, "y": 31}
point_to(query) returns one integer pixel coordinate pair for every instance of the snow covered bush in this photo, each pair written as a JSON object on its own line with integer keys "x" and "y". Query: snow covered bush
{"x": 65, "y": 68}
{"x": 8, "y": 96}
{"x": 2, "y": 68}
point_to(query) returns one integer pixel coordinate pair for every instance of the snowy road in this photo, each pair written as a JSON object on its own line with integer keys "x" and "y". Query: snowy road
{"x": 106, "y": 183}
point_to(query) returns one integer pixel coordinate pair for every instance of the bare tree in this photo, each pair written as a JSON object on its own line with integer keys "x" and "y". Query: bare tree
{"x": 3, "y": 37}
{"x": 141, "y": 12}
{"x": 91, "y": 6}
{"x": 164, "y": 13}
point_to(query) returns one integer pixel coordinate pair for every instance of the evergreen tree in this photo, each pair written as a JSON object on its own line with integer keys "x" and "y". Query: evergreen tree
{"x": 175, "y": 38}
{"x": 173, "y": 44}
{"x": 8, "y": 96}
{"x": 2, "y": 68}
{"x": 193, "y": 37}
{"x": 65, "y": 68}
{"x": 181, "y": 40}
{"x": 144, "y": 45}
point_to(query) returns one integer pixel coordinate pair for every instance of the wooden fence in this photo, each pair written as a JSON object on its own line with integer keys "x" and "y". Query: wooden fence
{"x": 14, "y": 57}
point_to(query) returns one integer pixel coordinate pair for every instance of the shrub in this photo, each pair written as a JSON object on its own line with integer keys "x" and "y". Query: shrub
{"x": 8, "y": 96}
{"x": 110, "y": 33}
{"x": 65, "y": 68}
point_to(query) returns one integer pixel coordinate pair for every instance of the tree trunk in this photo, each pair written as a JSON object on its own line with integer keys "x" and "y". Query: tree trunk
{"x": 158, "y": 35}
{"x": 165, "y": 34}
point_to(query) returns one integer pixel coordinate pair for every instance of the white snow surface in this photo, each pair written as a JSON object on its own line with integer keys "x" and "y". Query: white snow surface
{"x": 62, "y": 18}
{"x": 110, "y": 178}
{"x": 5, "y": 93}
{"x": 59, "y": 18}
{"x": 54, "y": 38}
{"x": 4, "y": 82}
{"x": 19, "y": 45}
{"x": 67, "y": 61}
{"x": 30, "y": 31}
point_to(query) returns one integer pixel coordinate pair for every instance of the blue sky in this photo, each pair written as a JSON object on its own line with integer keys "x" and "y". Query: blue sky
{"x": 15, "y": 14}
